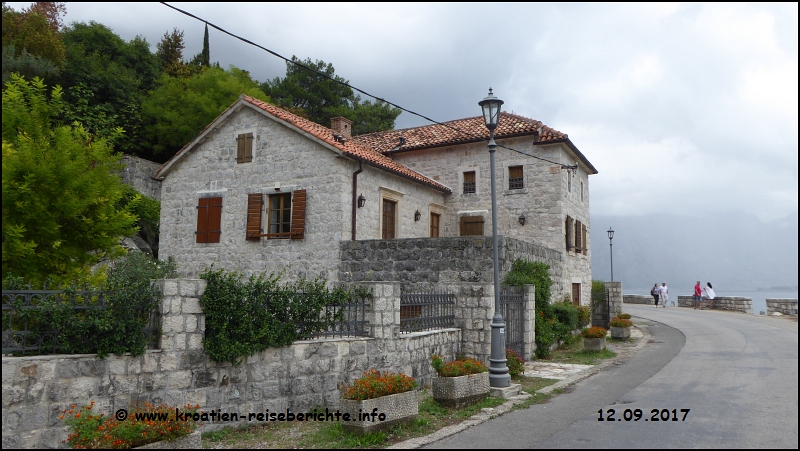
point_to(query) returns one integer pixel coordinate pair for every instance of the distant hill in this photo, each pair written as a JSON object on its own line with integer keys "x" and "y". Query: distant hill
{"x": 733, "y": 251}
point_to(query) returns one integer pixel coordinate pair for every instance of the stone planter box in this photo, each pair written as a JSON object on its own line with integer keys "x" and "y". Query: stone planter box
{"x": 620, "y": 333}
{"x": 594, "y": 344}
{"x": 393, "y": 409}
{"x": 462, "y": 390}
{"x": 191, "y": 441}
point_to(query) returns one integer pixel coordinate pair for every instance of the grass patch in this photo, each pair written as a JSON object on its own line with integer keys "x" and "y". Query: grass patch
{"x": 532, "y": 385}
{"x": 574, "y": 353}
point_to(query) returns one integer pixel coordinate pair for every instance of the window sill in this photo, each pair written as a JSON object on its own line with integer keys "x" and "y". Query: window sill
{"x": 508, "y": 192}
{"x": 469, "y": 194}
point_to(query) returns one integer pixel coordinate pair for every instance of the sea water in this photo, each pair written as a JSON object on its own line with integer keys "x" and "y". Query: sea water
{"x": 759, "y": 297}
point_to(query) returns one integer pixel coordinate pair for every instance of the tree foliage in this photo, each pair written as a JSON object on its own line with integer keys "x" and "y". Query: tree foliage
{"x": 59, "y": 189}
{"x": 319, "y": 98}
{"x": 106, "y": 80}
{"x": 180, "y": 108}
{"x": 35, "y": 31}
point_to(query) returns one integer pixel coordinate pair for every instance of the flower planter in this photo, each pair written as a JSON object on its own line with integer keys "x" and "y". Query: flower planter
{"x": 389, "y": 410}
{"x": 620, "y": 333}
{"x": 594, "y": 344}
{"x": 191, "y": 441}
{"x": 462, "y": 390}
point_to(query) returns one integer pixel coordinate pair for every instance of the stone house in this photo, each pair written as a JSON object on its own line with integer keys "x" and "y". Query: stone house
{"x": 261, "y": 189}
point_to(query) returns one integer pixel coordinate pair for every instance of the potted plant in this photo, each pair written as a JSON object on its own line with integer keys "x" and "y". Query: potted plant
{"x": 377, "y": 400}
{"x": 594, "y": 338}
{"x": 160, "y": 431}
{"x": 620, "y": 327}
{"x": 459, "y": 383}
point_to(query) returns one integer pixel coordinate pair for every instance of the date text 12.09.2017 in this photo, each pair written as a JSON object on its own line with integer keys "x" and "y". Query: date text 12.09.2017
{"x": 638, "y": 414}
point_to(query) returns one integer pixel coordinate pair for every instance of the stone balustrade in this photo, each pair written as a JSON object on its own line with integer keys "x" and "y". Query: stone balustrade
{"x": 637, "y": 299}
{"x": 734, "y": 303}
{"x": 783, "y": 306}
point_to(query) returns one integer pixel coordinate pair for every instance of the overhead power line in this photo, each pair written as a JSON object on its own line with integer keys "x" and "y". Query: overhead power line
{"x": 296, "y": 63}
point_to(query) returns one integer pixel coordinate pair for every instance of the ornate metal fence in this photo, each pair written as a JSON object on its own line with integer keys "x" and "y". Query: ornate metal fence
{"x": 512, "y": 307}
{"x": 28, "y": 319}
{"x": 349, "y": 320}
{"x": 426, "y": 311}
{"x": 601, "y": 310}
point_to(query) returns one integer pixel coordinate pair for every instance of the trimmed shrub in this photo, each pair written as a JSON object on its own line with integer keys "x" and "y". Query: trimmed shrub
{"x": 594, "y": 332}
{"x": 374, "y": 384}
{"x": 624, "y": 316}
{"x": 459, "y": 367}
{"x": 619, "y": 322}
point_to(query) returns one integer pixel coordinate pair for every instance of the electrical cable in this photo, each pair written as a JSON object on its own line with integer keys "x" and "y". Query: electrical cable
{"x": 470, "y": 135}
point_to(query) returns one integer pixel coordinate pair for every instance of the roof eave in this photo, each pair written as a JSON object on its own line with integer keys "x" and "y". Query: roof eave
{"x": 574, "y": 149}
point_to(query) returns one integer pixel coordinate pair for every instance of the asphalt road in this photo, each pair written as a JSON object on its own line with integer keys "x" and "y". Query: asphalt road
{"x": 736, "y": 373}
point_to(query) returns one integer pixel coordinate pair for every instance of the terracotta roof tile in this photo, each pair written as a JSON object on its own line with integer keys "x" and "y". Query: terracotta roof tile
{"x": 350, "y": 146}
{"x": 459, "y": 131}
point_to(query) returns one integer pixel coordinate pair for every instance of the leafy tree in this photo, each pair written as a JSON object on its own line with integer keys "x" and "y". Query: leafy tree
{"x": 32, "y": 43}
{"x": 105, "y": 81}
{"x": 59, "y": 189}
{"x": 170, "y": 54}
{"x": 319, "y": 98}
{"x": 181, "y": 107}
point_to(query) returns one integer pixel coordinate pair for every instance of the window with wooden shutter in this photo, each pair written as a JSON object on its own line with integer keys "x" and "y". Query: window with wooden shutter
{"x": 472, "y": 226}
{"x": 389, "y": 219}
{"x": 279, "y": 216}
{"x": 435, "y": 225}
{"x": 244, "y": 148}
{"x": 515, "y": 177}
{"x": 209, "y": 220}
{"x": 469, "y": 182}
{"x": 255, "y": 207}
{"x": 585, "y": 244}
{"x": 576, "y": 294}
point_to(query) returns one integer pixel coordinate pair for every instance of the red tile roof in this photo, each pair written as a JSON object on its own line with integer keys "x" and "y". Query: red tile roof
{"x": 348, "y": 147}
{"x": 459, "y": 131}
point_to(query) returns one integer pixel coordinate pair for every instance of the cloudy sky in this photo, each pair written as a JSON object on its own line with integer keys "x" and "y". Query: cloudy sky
{"x": 683, "y": 108}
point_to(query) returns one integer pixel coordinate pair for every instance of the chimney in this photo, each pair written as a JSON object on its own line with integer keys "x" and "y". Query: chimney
{"x": 341, "y": 126}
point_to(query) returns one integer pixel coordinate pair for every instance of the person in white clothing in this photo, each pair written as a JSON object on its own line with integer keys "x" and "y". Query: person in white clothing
{"x": 663, "y": 293}
{"x": 709, "y": 295}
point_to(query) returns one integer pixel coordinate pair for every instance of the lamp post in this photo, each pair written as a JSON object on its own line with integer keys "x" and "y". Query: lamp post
{"x": 498, "y": 371}
{"x": 611, "y": 250}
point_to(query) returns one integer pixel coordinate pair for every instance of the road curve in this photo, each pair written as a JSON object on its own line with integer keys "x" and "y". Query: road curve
{"x": 736, "y": 373}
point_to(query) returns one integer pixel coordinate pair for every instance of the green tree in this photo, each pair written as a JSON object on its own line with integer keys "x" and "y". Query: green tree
{"x": 105, "y": 80}
{"x": 319, "y": 98}
{"x": 32, "y": 43}
{"x": 181, "y": 107}
{"x": 170, "y": 54}
{"x": 59, "y": 189}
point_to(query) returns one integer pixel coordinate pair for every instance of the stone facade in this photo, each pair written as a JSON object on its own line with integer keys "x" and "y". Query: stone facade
{"x": 782, "y": 305}
{"x": 615, "y": 298}
{"x": 304, "y": 375}
{"x": 138, "y": 173}
{"x": 734, "y": 303}
{"x": 286, "y": 159}
{"x": 549, "y": 195}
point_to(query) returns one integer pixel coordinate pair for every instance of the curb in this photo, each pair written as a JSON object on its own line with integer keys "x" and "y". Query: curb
{"x": 512, "y": 401}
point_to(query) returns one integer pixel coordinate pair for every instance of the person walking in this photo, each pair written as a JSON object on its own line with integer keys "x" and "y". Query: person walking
{"x": 654, "y": 293}
{"x": 710, "y": 295}
{"x": 663, "y": 293}
{"x": 698, "y": 292}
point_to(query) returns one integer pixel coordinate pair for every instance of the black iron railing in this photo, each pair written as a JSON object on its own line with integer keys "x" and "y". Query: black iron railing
{"x": 469, "y": 187}
{"x": 28, "y": 319}
{"x": 515, "y": 183}
{"x": 512, "y": 307}
{"x": 345, "y": 320}
{"x": 601, "y": 309}
{"x": 426, "y": 311}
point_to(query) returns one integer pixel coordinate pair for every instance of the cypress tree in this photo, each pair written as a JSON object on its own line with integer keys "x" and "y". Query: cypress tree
{"x": 205, "y": 60}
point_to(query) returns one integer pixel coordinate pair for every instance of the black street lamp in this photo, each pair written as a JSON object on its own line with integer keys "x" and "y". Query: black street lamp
{"x": 498, "y": 371}
{"x": 611, "y": 251}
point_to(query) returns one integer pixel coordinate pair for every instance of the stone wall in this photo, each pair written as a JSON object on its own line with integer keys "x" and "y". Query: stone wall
{"x": 637, "y": 299}
{"x": 782, "y": 305}
{"x": 138, "y": 173}
{"x": 615, "y": 298}
{"x": 442, "y": 261}
{"x": 734, "y": 303}
{"x": 301, "y": 376}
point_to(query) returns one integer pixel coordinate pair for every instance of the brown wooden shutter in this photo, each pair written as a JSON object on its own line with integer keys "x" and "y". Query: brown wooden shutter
{"x": 585, "y": 245}
{"x": 298, "y": 214}
{"x": 578, "y": 243}
{"x": 255, "y": 205}
{"x": 240, "y": 146}
{"x": 248, "y": 147}
{"x": 209, "y": 220}
{"x": 214, "y": 219}
{"x": 471, "y": 225}
{"x": 201, "y": 235}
